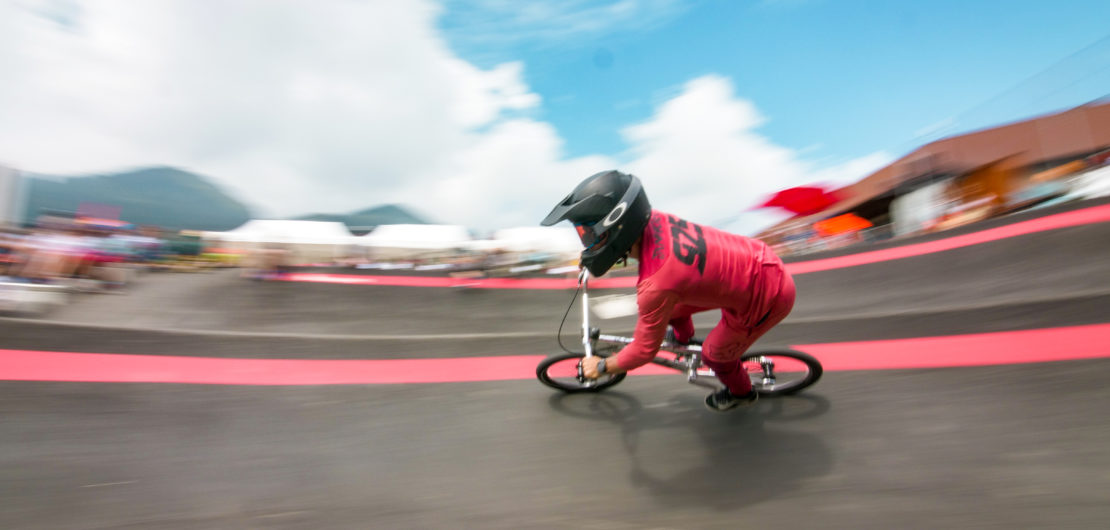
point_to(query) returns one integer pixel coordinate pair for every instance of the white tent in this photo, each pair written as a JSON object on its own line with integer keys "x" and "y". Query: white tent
{"x": 413, "y": 241}
{"x": 1090, "y": 184}
{"x": 287, "y": 231}
{"x": 305, "y": 241}
{"x": 539, "y": 239}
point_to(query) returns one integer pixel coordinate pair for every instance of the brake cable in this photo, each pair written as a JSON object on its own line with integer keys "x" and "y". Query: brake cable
{"x": 569, "y": 306}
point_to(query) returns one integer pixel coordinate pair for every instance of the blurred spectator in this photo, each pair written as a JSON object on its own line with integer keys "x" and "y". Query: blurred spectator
{"x": 271, "y": 261}
{"x": 75, "y": 256}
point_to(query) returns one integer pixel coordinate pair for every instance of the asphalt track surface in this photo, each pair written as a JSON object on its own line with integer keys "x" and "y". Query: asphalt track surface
{"x": 1011, "y": 443}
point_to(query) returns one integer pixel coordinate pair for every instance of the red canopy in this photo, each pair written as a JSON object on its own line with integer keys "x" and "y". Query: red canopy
{"x": 802, "y": 200}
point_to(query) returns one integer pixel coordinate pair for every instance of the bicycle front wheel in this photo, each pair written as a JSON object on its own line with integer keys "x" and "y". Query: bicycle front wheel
{"x": 780, "y": 371}
{"x": 561, "y": 372}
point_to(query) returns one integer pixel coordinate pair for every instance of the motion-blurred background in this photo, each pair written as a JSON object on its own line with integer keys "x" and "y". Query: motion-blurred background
{"x": 203, "y": 205}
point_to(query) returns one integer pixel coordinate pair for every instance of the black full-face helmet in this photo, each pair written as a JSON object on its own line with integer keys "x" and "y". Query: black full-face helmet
{"x": 610, "y": 211}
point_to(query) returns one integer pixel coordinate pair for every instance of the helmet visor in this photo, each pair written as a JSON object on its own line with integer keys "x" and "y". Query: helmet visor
{"x": 588, "y": 236}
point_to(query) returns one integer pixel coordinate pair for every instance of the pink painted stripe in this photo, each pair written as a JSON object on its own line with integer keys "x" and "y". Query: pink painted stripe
{"x": 1041, "y": 345}
{"x": 1096, "y": 214}
{"x": 22, "y": 365}
{"x": 475, "y": 283}
{"x": 1009, "y": 347}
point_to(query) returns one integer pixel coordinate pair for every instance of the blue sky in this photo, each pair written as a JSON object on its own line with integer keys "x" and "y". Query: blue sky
{"x": 485, "y": 113}
{"x": 838, "y": 79}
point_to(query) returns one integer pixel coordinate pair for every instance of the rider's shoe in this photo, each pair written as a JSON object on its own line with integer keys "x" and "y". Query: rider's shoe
{"x": 723, "y": 400}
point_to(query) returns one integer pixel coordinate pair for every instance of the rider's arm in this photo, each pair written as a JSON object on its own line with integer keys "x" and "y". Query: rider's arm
{"x": 655, "y": 311}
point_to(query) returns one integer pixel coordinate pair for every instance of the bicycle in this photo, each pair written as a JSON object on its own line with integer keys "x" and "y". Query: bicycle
{"x": 774, "y": 371}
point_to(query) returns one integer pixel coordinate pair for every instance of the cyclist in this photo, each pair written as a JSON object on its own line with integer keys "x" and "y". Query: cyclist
{"x": 684, "y": 268}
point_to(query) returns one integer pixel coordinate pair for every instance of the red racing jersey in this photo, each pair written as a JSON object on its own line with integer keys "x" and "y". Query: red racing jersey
{"x": 686, "y": 264}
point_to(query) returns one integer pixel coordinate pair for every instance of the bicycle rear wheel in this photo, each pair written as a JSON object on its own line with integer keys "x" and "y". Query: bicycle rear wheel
{"x": 781, "y": 371}
{"x": 561, "y": 372}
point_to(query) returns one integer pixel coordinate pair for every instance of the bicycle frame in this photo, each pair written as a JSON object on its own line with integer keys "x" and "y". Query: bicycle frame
{"x": 687, "y": 357}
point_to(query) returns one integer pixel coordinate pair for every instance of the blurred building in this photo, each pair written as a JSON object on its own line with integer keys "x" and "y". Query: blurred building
{"x": 961, "y": 179}
{"x": 12, "y": 197}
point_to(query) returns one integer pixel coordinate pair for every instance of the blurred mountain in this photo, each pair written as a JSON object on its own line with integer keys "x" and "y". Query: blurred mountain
{"x": 173, "y": 198}
{"x": 160, "y": 196}
{"x": 365, "y": 220}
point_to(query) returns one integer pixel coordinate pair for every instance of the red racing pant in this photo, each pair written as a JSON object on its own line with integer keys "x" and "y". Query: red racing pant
{"x": 738, "y": 330}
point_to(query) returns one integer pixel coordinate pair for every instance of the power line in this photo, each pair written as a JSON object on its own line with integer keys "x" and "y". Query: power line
{"x": 955, "y": 121}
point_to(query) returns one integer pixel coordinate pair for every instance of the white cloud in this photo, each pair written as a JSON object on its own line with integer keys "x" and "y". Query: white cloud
{"x": 342, "y": 106}
{"x": 327, "y": 108}
{"x": 507, "y": 176}
{"x": 701, "y": 157}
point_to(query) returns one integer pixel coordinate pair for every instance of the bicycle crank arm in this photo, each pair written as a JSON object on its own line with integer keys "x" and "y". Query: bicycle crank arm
{"x": 694, "y": 380}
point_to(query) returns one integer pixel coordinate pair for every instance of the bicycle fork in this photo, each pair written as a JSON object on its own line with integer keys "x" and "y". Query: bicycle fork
{"x": 587, "y": 340}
